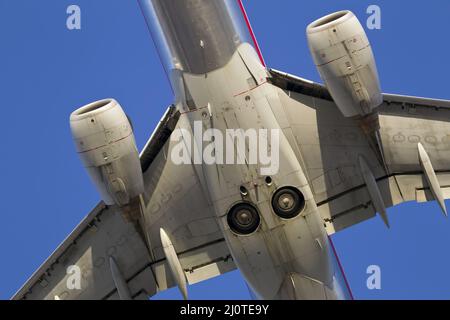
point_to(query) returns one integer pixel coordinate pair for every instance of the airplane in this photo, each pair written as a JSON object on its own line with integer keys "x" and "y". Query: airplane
{"x": 177, "y": 213}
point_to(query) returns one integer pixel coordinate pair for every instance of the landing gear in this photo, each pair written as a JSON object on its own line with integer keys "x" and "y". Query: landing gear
{"x": 243, "y": 219}
{"x": 288, "y": 202}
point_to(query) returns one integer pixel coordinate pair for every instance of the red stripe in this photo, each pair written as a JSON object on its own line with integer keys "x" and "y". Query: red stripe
{"x": 259, "y": 85}
{"x": 252, "y": 34}
{"x": 340, "y": 267}
{"x": 105, "y": 145}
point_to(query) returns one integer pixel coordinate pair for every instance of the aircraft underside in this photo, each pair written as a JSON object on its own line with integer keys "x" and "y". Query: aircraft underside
{"x": 249, "y": 168}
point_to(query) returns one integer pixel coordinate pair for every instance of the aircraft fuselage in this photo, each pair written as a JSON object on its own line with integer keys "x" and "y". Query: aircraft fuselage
{"x": 260, "y": 194}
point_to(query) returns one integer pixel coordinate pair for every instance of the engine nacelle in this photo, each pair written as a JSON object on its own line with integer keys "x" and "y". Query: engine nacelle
{"x": 345, "y": 61}
{"x": 105, "y": 142}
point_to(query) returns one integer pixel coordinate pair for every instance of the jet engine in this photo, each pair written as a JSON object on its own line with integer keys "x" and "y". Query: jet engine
{"x": 345, "y": 61}
{"x": 105, "y": 142}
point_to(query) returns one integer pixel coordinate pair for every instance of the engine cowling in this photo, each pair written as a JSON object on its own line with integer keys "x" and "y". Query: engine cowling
{"x": 105, "y": 142}
{"x": 344, "y": 58}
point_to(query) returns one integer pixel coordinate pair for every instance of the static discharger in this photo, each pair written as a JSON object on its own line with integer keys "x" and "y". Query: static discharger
{"x": 374, "y": 191}
{"x": 119, "y": 280}
{"x": 174, "y": 263}
{"x": 432, "y": 180}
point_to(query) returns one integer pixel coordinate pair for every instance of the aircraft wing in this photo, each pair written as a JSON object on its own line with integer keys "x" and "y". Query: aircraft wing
{"x": 329, "y": 145}
{"x": 174, "y": 201}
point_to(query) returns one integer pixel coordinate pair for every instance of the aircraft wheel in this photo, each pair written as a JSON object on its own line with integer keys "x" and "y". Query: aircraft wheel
{"x": 243, "y": 219}
{"x": 288, "y": 202}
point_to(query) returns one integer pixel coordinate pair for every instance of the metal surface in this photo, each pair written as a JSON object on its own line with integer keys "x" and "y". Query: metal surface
{"x": 106, "y": 146}
{"x": 174, "y": 263}
{"x": 159, "y": 137}
{"x": 119, "y": 281}
{"x": 329, "y": 147}
{"x": 345, "y": 61}
{"x": 374, "y": 191}
{"x": 431, "y": 177}
{"x": 195, "y": 36}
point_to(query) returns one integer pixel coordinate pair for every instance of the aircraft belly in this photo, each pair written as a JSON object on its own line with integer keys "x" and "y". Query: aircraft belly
{"x": 232, "y": 98}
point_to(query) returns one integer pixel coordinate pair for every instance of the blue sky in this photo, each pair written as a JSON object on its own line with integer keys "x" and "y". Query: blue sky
{"x": 47, "y": 71}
